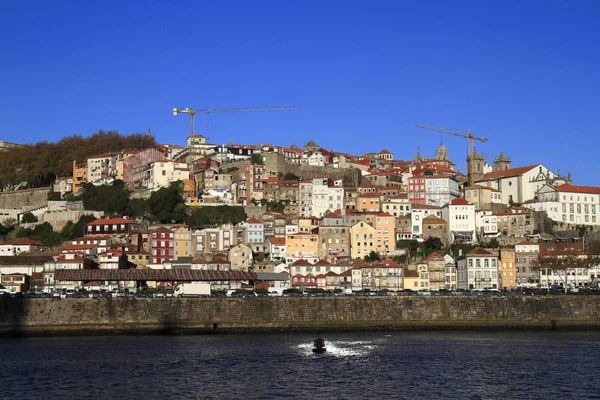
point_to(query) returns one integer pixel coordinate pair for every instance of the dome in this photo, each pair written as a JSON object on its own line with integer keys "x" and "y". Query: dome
{"x": 502, "y": 157}
{"x": 311, "y": 143}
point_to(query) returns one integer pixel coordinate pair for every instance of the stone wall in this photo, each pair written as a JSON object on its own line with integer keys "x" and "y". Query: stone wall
{"x": 351, "y": 177}
{"x": 51, "y": 316}
{"x": 30, "y": 198}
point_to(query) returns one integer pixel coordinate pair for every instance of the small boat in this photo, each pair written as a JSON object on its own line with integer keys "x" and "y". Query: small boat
{"x": 319, "y": 345}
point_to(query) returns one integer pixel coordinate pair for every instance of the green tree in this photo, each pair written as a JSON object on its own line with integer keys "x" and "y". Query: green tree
{"x": 113, "y": 200}
{"x": 28, "y": 218}
{"x": 257, "y": 158}
{"x": 167, "y": 204}
{"x": 433, "y": 244}
{"x": 374, "y": 256}
{"x": 291, "y": 177}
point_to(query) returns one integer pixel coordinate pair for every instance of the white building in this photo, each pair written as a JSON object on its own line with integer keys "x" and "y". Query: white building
{"x": 518, "y": 184}
{"x": 396, "y": 205}
{"x": 325, "y": 197}
{"x": 14, "y": 247}
{"x": 478, "y": 270}
{"x": 577, "y": 205}
{"x": 103, "y": 168}
{"x": 486, "y": 224}
{"x": 160, "y": 174}
{"x": 418, "y": 213}
{"x": 460, "y": 215}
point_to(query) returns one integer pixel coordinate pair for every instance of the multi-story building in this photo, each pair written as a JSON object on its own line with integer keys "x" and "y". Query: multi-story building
{"x": 369, "y": 202}
{"x": 102, "y": 168}
{"x": 80, "y": 171}
{"x": 451, "y": 274}
{"x": 486, "y": 223}
{"x": 460, "y": 215}
{"x": 526, "y": 254}
{"x": 112, "y": 226}
{"x": 483, "y": 196}
{"x": 241, "y": 258}
{"x": 397, "y": 205}
{"x": 433, "y": 188}
{"x": 255, "y": 234}
{"x": 16, "y": 246}
{"x": 334, "y": 241}
{"x": 568, "y": 204}
{"x": 159, "y": 174}
{"x": 518, "y": 185}
{"x": 305, "y": 192}
{"x": 385, "y": 233}
{"x": 478, "y": 270}
{"x": 326, "y": 197}
{"x": 211, "y": 240}
{"x": 161, "y": 245}
{"x": 435, "y": 227}
{"x": 142, "y": 157}
{"x": 516, "y": 222}
{"x": 363, "y": 239}
{"x": 277, "y": 249}
{"x": 288, "y": 191}
{"x": 508, "y": 268}
{"x": 436, "y": 266}
{"x": 302, "y": 246}
{"x": 182, "y": 241}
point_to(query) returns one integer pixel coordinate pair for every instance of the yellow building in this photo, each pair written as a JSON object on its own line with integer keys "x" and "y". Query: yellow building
{"x": 368, "y": 202}
{"x": 417, "y": 279}
{"x": 363, "y": 239}
{"x": 182, "y": 241}
{"x": 120, "y": 163}
{"x": 385, "y": 237}
{"x": 79, "y": 176}
{"x": 302, "y": 246}
{"x": 508, "y": 268}
{"x": 308, "y": 225}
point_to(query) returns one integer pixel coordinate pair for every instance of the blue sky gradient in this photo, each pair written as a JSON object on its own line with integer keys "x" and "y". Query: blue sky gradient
{"x": 524, "y": 74}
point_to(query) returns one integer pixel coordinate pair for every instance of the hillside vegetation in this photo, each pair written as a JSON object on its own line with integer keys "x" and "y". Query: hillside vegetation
{"x": 41, "y": 163}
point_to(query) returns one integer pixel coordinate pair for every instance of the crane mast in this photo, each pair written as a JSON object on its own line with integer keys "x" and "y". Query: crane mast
{"x": 469, "y": 136}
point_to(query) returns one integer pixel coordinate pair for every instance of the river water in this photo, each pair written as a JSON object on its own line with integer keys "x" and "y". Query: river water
{"x": 415, "y": 365}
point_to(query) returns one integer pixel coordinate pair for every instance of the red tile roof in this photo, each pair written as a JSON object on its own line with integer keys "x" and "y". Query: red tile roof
{"x": 460, "y": 202}
{"x": 112, "y": 221}
{"x": 277, "y": 240}
{"x": 71, "y": 247}
{"x": 430, "y": 219}
{"x": 507, "y": 173}
{"x": 253, "y": 220}
{"x": 479, "y": 252}
{"x": 433, "y": 256}
{"x": 578, "y": 189}
{"x": 23, "y": 242}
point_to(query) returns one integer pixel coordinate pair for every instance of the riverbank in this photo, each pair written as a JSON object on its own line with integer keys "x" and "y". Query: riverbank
{"x": 52, "y": 317}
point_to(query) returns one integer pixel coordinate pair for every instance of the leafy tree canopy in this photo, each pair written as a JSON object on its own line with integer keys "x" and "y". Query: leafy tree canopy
{"x": 41, "y": 163}
{"x": 113, "y": 199}
{"x": 202, "y": 216}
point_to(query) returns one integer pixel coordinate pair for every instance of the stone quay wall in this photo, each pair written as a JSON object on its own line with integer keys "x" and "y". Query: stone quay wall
{"x": 198, "y": 315}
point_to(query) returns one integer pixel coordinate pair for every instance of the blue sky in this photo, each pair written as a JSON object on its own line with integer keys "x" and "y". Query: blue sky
{"x": 524, "y": 74}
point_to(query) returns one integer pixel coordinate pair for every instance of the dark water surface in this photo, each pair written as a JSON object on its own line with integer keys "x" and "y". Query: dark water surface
{"x": 449, "y": 365}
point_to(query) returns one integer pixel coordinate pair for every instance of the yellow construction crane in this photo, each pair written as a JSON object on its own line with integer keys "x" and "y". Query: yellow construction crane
{"x": 193, "y": 111}
{"x": 469, "y": 136}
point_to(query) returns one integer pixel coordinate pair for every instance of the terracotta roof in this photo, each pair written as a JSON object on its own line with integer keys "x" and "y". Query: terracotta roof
{"x": 179, "y": 275}
{"x": 578, "y": 189}
{"x": 297, "y": 263}
{"x": 106, "y": 155}
{"x": 23, "y": 242}
{"x": 410, "y": 273}
{"x": 507, "y": 173}
{"x": 199, "y": 261}
{"x": 424, "y": 206}
{"x": 431, "y": 219}
{"x": 433, "y": 256}
{"x": 479, "y": 252}
{"x": 322, "y": 263}
{"x": 112, "y": 221}
{"x": 385, "y": 214}
{"x": 253, "y": 220}
{"x": 526, "y": 243}
{"x": 80, "y": 246}
{"x": 373, "y": 195}
{"x": 483, "y": 187}
{"x": 277, "y": 240}
{"x": 460, "y": 202}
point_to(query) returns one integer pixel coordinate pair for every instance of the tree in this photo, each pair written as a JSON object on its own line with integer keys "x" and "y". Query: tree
{"x": 374, "y": 256}
{"x": 167, "y": 204}
{"x": 433, "y": 243}
{"x": 291, "y": 177}
{"x": 257, "y": 158}
{"x": 28, "y": 218}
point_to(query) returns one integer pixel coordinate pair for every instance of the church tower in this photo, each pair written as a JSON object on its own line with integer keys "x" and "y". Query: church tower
{"x": 442, "y": 152}
{"x": 478, "y": 165}
{"x": 502, "y": 162}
